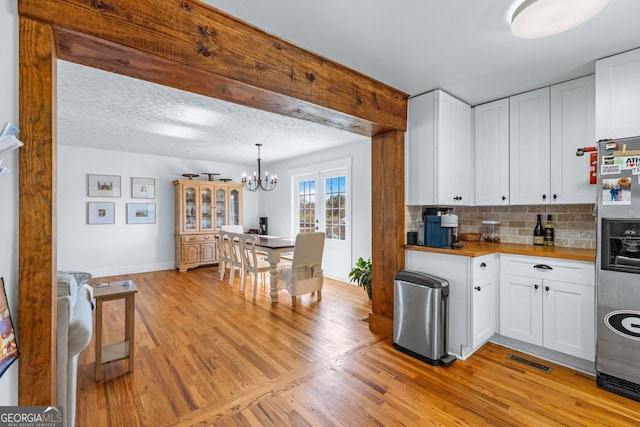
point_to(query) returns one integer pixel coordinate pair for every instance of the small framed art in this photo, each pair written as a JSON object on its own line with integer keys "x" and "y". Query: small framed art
{"x": 104, "y": 186}
{"x": 101, "y": 212}
{"x": 143, "y": 188}
{"x": 141, "y": 213}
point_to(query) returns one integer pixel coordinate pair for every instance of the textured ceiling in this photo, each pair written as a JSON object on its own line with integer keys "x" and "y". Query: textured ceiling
{"x": 103, "y": 110}
{"x": 464, "y": 47}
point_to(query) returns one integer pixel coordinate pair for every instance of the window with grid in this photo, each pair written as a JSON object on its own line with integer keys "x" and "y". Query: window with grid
{"x": 307, "y": 206}
{"x": 335, "y": 207}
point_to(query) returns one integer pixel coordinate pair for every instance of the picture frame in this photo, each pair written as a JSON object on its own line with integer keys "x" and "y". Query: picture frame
{"x": 104, "y": 185}
{"x": 143, "y": 188}
{"x": 101, "y": 213}
{"x": 10, "y": 351}
{"x": 141, "y": 213}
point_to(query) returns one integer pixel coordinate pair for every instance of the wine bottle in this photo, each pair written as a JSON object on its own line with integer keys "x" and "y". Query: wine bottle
{"x": 538, "y": 232}
{"x": 549, "y": 231}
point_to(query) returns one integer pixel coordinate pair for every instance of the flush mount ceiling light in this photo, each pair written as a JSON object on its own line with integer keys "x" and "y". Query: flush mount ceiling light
{"x": 541, "y": 18}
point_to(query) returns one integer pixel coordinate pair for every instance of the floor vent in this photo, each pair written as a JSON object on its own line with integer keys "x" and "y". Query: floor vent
{"x": 531, "y": 363}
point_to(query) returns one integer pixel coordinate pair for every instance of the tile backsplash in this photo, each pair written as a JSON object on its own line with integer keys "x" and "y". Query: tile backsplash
{"x": 575, "y": 224}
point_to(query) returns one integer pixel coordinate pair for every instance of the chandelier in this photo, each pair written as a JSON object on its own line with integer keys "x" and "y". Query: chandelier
{"x": 256, "y": 183}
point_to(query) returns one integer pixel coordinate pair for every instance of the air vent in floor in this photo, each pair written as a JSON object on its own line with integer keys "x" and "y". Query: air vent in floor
{"x": 531, "y": 363}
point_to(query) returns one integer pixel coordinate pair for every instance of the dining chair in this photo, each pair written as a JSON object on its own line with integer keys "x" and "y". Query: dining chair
{"x": 224, "y": 254}
{"x": 304, "y": 275}
{"x": 235, "y": 254}
{"x": 252, "y": 263}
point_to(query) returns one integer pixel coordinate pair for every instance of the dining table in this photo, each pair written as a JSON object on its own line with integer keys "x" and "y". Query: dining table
{"x": 274, "y": 247}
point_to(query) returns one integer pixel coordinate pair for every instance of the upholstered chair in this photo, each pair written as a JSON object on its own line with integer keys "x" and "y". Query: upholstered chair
{"x": 304, "y": 275}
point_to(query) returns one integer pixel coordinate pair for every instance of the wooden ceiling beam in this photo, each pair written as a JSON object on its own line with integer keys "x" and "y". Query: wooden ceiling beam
{"x": 217, "y": 44}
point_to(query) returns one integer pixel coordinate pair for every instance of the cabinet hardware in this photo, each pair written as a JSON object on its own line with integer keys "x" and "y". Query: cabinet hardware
{"x": 542, "y": 267}
{"x": 546, "y": 288}
{"x": 504, "y": 197}
{"x": 483, "y": 265}
{"x": 535, "y": 287}
{"x": 544, "y": 197}
{"x": 555, "y": 196}
{"x": 478, "y": 288}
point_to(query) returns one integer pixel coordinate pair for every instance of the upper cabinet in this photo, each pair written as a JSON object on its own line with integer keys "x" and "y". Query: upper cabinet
{"x": 492, "y": 153}
{"x": 618, "y": 96}
{"x": 572, "y": 126}
{"x": 439, "y": 151}
{"x": 548, "y": 125}
{"x": 529, "y": 147}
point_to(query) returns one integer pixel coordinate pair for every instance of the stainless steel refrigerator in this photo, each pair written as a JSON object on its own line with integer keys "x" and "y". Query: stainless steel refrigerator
{"x": 618, "y": 267}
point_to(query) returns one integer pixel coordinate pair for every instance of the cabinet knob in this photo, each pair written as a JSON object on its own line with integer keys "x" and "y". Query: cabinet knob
{"x": 504, "y": 197}
{"x": 483, "y": 265}
{"x": 535, "y": 287}
{"x": 544, "y": 197}
{"x": 555, "y": 196}
{"x": 478, "y": 288}
{"x": 546, "y": 288}
{"x": 192, "y": 238}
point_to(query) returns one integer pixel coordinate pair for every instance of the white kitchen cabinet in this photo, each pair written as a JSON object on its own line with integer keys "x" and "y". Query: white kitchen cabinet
{"x": 492, "y": 153}
{"x": 549, "y": 303}
{"x": 572, "y": 126}
{"x": 485, "y": 299}
{"x": 529, "y": 148}
{"x": 618, "y": 96}
{"x": 439, "y": 152}
{"x": 463, "y": 273}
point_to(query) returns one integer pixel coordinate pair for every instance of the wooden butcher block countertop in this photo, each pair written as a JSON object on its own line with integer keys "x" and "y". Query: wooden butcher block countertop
{"x": 475, "y": 249}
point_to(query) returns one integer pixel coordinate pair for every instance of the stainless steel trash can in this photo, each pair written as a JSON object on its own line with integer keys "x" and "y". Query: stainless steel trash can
{"x": 420, "y": 317}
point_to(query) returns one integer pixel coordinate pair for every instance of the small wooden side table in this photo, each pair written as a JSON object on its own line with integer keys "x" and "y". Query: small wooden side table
{"x": 118, "y": 350}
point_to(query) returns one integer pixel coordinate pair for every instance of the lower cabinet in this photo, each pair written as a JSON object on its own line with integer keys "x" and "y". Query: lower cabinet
{"x": 538, "y": 309}
{"x": 472, "y": 312}
{"x": 195, "y": 250}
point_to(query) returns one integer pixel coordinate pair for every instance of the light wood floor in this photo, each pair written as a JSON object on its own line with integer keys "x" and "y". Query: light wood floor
{"x": 206, "y": 354}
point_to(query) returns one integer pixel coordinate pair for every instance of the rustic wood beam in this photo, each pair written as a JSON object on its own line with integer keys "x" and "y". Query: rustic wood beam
{"x": 387, "y": 217}
{"x": 37, "y": 245}
{"x": 199, "y": 36}
{"x": 94, "y": 52}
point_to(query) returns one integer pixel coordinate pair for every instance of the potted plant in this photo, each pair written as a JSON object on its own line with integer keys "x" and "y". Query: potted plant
{"x": 361, "y": 274}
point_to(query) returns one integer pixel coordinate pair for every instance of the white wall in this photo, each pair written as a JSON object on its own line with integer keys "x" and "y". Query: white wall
{"x": 9, "y": 184}
{"x": 121, "y": 248}
{"x": 276, "y": 204}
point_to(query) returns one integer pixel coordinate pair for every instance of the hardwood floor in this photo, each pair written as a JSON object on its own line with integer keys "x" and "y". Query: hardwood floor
{"x": 208, "y": 355}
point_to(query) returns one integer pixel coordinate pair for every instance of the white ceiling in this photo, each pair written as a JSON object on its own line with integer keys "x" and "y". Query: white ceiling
{"x": 464, "y": 47}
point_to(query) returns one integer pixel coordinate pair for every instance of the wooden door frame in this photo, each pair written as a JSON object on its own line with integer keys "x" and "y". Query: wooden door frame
{"x": 194, "y": 47}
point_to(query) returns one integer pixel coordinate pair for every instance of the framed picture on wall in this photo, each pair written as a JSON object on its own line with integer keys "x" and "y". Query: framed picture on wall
{"x": 143, "y": 188}
{"x": 101, "y": 212}
{"x": 141, "y": 213}
{"x": 104, "y": 186}
{"x": 9, "y": 344}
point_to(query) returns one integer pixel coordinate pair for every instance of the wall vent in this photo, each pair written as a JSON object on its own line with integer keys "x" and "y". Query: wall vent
{"x": 531, "y": 363}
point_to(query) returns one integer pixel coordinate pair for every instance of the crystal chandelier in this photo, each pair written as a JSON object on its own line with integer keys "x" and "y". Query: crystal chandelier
{"x": 256, "y": 183}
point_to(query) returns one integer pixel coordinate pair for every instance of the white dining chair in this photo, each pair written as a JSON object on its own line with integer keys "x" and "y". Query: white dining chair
{"x": 253, "y": 263}
{"x": 304, "y": 275}
{"x": 230, "y": 256}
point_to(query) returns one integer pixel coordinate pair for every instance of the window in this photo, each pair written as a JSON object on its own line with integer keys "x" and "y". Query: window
{"x": 335, "y": 207}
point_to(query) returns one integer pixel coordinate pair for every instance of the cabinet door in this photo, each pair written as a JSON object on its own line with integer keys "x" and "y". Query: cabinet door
{"x": 618, "y": 96}
{"x": 572, "y": 126}
{"x": 521, "y": 308}
{"x": 191, "y": 253}
{"x": 420, "y": 160}
{"x": 569, "y": 318}
{"x": 190, "y": 207}
{"x": 207, "y": 252}
{"x": 221, "y": 207}
{"x": 483, "y": 306}
{"x": 234, "y": 207}
{"x": 206, "y": 208}
{"x": 492, "y": 153}
{"x": 454, "y": 152}
{"x": 529, "y": 147}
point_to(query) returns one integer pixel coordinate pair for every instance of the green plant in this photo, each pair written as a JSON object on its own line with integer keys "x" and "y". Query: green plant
{"x": 361, "y": 274}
